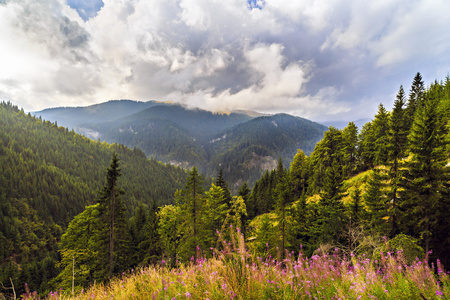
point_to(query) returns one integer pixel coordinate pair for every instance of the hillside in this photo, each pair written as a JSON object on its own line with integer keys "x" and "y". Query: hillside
{"x": 248, "y": 149}
{"x": 75, "y": 117}
{"x": 194, "y": 137}
{"x": 48, "y": 175}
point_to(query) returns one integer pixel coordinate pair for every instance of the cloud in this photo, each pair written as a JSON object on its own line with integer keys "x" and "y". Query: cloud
{"x": 273, "y": 78}
{"x": 320, "y": 59}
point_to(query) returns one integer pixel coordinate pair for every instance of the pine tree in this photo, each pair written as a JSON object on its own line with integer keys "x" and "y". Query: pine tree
{"x": 298, "y": 174}
{"x": 327, "y": 152}
{"x": 220, "y": 182}
{"x": 283, "y": 193}
{"x": 366, "y": 146}
{"x": 192, "y": 201}
{"x": 427, "y": 178}
{"x": 376, "y": 201}
{"x": 245, "y": 193}
{"x": 331, "y": 218}
{"x": 415, "y": 99}
{"x": 350, "y": 140}
{"x": 396, "y": 149}
{"x": 112, "y": 214}
{"x": 380, "y": 131}
{"x": 148, "y": 245}
{"x": 213, "y": 215}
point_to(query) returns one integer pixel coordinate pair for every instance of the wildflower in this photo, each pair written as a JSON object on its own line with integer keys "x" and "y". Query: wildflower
{"x": 439, "y": 293}
{"x": 224, "y": 286}
{"x": 188, "y": 295}
{"x": 163, "y": 261}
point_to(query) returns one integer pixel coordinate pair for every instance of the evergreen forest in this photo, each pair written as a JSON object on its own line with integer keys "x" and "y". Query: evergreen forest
{"x": 75, "y": 212}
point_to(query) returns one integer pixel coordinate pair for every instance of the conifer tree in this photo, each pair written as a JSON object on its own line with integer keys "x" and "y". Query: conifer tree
{"x": 396, "y": 147}
{"x": 415, "y": 99}
{"x": 427, "y": 178}
{"x": 331, "y": 218}
{"x": 245, "y": 193}
{"x": 376, "y": 201}
{"x": 220, "y": 182}
{"x": 213, "y": 214}
{"x": 283, "y": 193}
{"x": 380, "y": 131}
{"x": 148, "y": 245}
{"x": 326, "y": 153}
{"x": 192, "y": 201}
{"x": 356, "y": 207}
{"x": 366, "y": 146}
{"x": 298, "y": 174}
{"x": 112, "y": 214}
{"x": 350, "y": 140}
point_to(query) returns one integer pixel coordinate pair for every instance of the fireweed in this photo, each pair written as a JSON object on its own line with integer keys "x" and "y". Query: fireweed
{"x": 233, "y": 273}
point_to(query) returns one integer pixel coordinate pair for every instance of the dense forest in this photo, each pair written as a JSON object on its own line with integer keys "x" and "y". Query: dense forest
{"x": 48, "y": 175}
{"x": 364, "y": 193}
{"x": 242, "y": 145}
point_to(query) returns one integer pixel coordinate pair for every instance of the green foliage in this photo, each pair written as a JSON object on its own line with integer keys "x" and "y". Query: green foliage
{"x": 48, "y": 175}
{"x": 170, "y": 218}
{"x": 79, "y": 250}
{"x": 298, "y": 174}
{"x": 112, "y": 225}
{"x": 405, "y": 244}
{"x": 191, "y": 200}
{"x": 427, "y": 177}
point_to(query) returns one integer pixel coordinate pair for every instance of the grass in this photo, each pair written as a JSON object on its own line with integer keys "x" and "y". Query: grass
{"x": 235, "y": 274}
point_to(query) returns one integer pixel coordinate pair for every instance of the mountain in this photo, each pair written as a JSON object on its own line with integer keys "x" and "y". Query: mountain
{"x": 48, "y": 175}
{"x": 72, "y": 117}
{"x": 251, "y": 141}
{"x": 246, "y": 150}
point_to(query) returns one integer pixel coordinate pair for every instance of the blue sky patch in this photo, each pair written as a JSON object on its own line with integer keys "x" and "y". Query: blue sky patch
{"x": 86, "y": 8}
{"x": 256, "y": 4}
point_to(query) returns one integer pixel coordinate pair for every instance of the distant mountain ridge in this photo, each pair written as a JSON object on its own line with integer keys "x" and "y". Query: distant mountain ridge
{"x": 243, "y": 143}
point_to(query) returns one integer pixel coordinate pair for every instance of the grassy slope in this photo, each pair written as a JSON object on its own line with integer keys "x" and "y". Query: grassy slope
{"x": 235, "y": 274}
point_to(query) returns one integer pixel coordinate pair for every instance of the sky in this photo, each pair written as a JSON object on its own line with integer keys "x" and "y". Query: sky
{"x": 319, "y": 59}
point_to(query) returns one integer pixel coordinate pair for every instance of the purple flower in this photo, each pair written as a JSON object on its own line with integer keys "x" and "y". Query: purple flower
{"x": 188, "y": 295}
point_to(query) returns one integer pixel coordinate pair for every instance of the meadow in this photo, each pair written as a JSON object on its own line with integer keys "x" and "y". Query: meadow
{"x": 234, "y": 273}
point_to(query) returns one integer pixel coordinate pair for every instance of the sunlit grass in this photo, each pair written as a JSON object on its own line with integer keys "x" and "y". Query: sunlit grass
{"x": 234, "y": 273}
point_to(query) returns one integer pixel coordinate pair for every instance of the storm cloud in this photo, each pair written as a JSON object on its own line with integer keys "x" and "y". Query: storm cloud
{"x": 320, "y": 59}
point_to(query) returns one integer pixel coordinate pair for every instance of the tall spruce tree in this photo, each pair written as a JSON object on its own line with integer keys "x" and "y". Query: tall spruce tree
{"x": 350, "y": 140}
{"x": 377, "y": 203}
{"x": 298, "y": 174}
{"x": 112, "y": 214}
{"x": 397, "y": 151}
{"x": 366, "y": 146}
{"x": 331, "y": 218}
{"x": 220, "y": 182}
{"x": 283, "y": 193}
{"x": 380, "y": 131}
{"x": 415, "y": 99}
{"x": 327, "y": 152}
{"x": 427, "y": 178}
{"x": 191, "y": 199}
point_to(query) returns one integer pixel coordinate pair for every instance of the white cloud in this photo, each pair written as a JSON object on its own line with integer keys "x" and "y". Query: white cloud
{"x": 306, "y": 57}
{"x": 277, "y": 86}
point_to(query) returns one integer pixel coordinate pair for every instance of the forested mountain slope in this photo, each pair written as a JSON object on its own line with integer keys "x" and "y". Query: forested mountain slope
{"x": 48, "y": 175}
{"x": 75, "y": 117}
{"x": 194, "y": 137}
{"x": 248, "y": 149}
